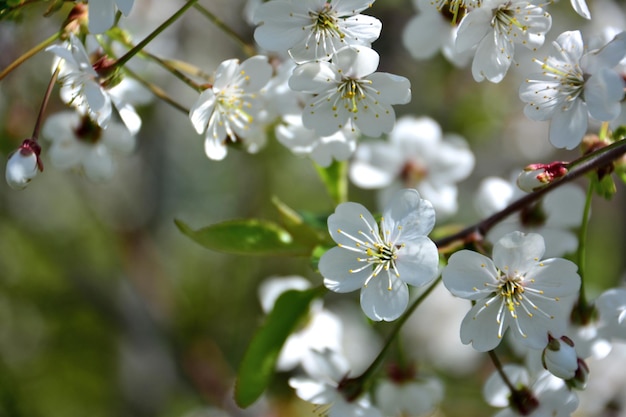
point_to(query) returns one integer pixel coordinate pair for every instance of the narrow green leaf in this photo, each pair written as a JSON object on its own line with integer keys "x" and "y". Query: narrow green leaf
{"x": 335, "y": 178}
{"x": 259, "y": 362}
{"x": 245, "y": 237}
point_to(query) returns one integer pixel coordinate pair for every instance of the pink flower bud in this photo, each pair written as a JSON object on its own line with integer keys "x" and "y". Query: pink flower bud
{"x": 23, "y": 165}
{"x": 536, "y": 176}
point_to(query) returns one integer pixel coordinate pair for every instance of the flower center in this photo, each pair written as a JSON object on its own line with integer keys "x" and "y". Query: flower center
{"x": 352, "y": 92}
{"x": 454, "y": 10}
{"x": 505, "y": 19}
{"x": 514, "y": 295}
{"x": 380, "y": 252}
{"x": 325, "y": 23}
{"x": 88, "y": 131}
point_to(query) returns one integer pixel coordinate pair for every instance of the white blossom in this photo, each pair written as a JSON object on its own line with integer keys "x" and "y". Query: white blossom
{"x": 102, "y": 13}
{"x": 516, "y": 290}
{"x": 347, "y": 92}
{"x": 78, "y": 143}
{"x": 321, "y": 386}
{"x": 574, "y": 85}
{"x": 381, "y": 261}
{"x": 417, "y": 155}
{"x": 611, "y": 306}
{"x": 92, "y": 94}
{"x": 430, "y": 31}
{"x": 81, "y": 84}
{"x": 414, "y": 397}
{"x": 314, "y": 29}
{"x": 322, "y": 329}
{"x": 540, "y": 395}
{"x": 226, "y": 111}
{"x": 494, "y": 28}
{"x": 322, "y": 149}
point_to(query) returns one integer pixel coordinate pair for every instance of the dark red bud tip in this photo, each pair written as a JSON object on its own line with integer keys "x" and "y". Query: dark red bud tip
{"x": 30, "y": 146}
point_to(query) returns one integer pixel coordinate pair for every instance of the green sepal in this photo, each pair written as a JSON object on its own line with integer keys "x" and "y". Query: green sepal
{"x": 246, "y": 237}
{"x": 259, "y": 362}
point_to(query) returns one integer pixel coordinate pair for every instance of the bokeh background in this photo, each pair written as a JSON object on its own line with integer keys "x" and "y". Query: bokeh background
{"x": 106, "y": 309}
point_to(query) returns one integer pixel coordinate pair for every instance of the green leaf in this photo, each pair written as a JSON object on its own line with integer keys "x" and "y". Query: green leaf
{"x": 259, "y": 362}
{"x": 335, "y": 178}
{"x": 245, "y": 237}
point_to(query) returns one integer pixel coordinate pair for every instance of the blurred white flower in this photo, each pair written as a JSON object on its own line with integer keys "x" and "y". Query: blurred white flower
{"x": 226, "y": 111}
{"x": 430, "y": 31}
{"x": 413, "y": 397}
{"x": 419, "y": 156}
{"x": 79, "y": 143}
{"x": 494, "y": 28}
{"x": 323, "y": 329}
{"x": 102, "y": 13}
{"x": 574, "y": 85}
{"x": 81, "y": 84}
{"x": 90, "y": 93}
{"x": 347, "y": 90}
{"x": 553, "y": 217}
{"x": 314, "y": 29}
{"x": 516, "y": 290}
{"x": 611, "y": 306}
{"x": 321, "y": 384}
{"x": 322, "y": 149}
{"x": 23, "y": 165}
{"x": 400, "y": 250}
{"x": 539, "y": 396}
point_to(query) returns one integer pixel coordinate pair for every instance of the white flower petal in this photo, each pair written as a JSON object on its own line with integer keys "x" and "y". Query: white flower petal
{"x": 335, "y": 266}
{"x": 567, "y": 128}
{"x": 518, "y": 251}
{"x": 467, "y": 273}
{"x": 418, "y": 262}
{"x": 379, "y": 301}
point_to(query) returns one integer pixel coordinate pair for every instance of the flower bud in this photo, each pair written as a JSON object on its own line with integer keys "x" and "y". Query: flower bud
{"x": 537, "y": 176}
{"x": 559, "y": 357}
{"x": 23, "y": 165}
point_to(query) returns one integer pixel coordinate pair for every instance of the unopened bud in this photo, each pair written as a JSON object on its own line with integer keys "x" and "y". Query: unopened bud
{"x": 560, "y": 358}
{"x": 23, "y": 165}
{"x": 579, "y": 381}
{"x": 537, "y": 176}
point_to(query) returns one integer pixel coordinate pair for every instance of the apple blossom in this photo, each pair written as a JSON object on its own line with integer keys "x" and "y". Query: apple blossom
{"x": 314, "y": 29}
{"x": 495, "y": 27}
{"x": 417, "y": 155}
{"x": 516, "y": 290}
{"x": 574, "y": 85}
{"x": 381, "y": 262}
{"x": 321, "y": 386}
{"x": 226, "y": 110}
{"x": 79, "y": 143}
{"x": 539, "y": 395}
{"x": 102, "y": 13}
{"x": 347, "y": 91}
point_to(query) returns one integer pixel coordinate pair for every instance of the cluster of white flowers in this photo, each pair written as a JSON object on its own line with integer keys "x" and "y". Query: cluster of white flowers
{"x": 318, "y": 89}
